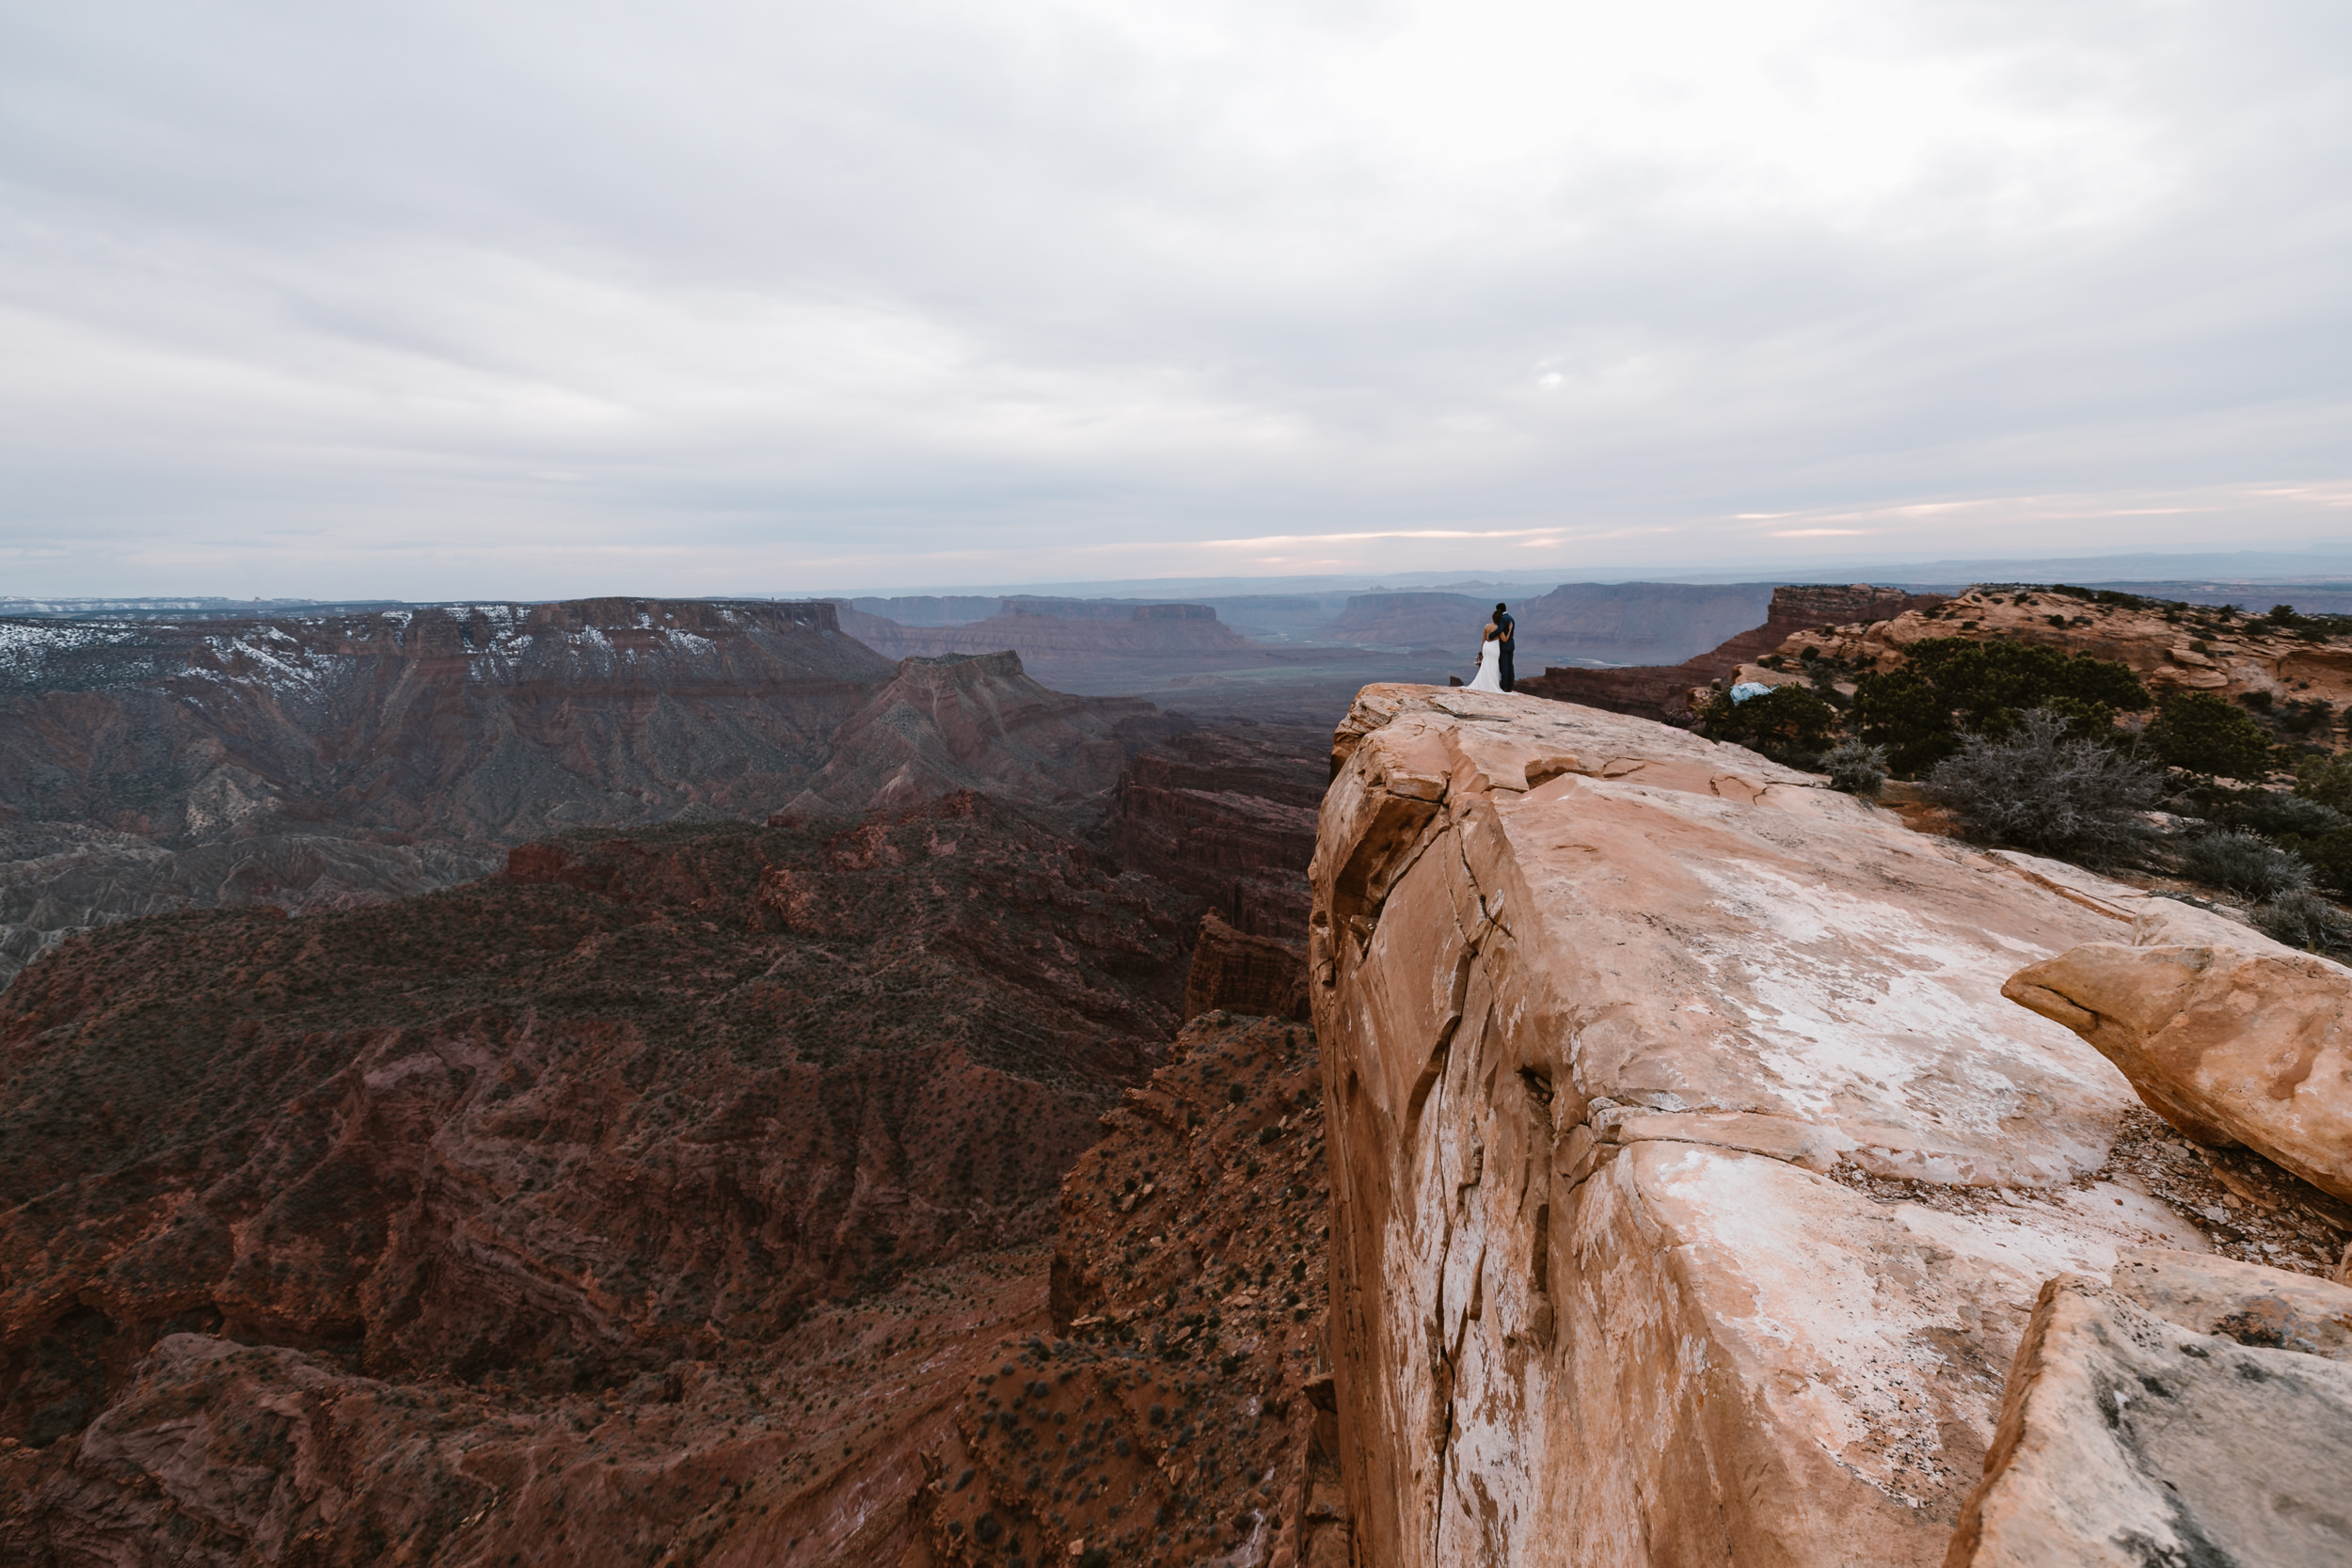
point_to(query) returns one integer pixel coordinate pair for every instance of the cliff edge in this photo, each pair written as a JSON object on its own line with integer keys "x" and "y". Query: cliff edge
{"x": 1694, "y": 1183}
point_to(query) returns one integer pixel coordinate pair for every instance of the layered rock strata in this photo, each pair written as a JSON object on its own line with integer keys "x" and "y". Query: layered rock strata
{"x": 1693, "y": 1181}
{"x": 977, "y": 722}
{"x": 609, "y": 1127}
{"x": 312, "y": 760}
{"x": 1230, "y": 815}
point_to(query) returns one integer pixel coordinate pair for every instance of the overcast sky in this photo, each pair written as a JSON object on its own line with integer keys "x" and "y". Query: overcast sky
{"x": 430, "y": 299}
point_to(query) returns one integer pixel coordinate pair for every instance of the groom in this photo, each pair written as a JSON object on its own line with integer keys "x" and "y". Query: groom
{"x": 1503, "y": 634}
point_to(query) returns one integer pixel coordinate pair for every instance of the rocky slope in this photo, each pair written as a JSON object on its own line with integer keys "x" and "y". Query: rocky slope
{"x": 977, "y": 722}
{"x": 308, "y": 761}
{"x": 1178, "y": 1411}
{"x": 1663, "y": 691}
{"x": 2179, "y": 647}
{"x": 519, "y": 1165}
{"x": 1693, "y": 1181}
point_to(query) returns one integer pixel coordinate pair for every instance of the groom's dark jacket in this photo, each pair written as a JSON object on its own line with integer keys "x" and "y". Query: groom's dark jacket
{"x": 1504, "y": 628}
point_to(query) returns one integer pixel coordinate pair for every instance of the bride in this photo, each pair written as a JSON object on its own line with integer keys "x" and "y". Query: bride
{"x": 1489, "y": 676}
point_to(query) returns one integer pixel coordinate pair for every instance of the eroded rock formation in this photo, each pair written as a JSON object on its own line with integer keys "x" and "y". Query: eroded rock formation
{"x": 2228, "y": 1035}
{"x": 1230, "y": 815}
{"x": 1695, "y": 1182}
{"x": 1179, "y": 1410}
{"x": 311, "y": 761}
{"x": 513, "y": 1168}
{"x": 1663, "y": 691}
{"x": 976, "y": 721}
{"x": 2246, "y": 654}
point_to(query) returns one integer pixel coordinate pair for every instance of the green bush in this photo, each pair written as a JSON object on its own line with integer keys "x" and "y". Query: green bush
{"x": 2244, "y": 863}
{"x": 1854, "y": 768}
{"x": 2307, "y": 921}
{"x": 2201, "y": 732}
{"x": 1950, "y": 688}
{"x": 2327, "y": 780}
{"x": 1787, "y": 721}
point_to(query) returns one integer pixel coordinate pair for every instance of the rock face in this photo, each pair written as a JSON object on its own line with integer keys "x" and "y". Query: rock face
{"x": 1173, "y": 1413}
{"x": 613, "y": 1122}
{"x": 1663, "y": 691}
{"x": 977, "y": 722}
{"x": 1229, "y": 815}
{"x": 2234, "y": 1040}
{"x": 482, "y": 721}
{"x": 2166, "y": 650}
{"x": 308, "y": 761}
{"x": 1692, "y": 1180}
{"x": 2171, "y": 1419}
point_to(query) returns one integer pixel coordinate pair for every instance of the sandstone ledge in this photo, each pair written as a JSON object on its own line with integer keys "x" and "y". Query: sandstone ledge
{"x": 1616, "y": 1021}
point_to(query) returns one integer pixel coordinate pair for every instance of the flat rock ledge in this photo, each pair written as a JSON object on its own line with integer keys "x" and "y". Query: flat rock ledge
{"x": 1695, "y": 1184}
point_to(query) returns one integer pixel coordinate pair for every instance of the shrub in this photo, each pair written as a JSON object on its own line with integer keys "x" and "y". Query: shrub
{"x": 2244, "y": 863}
{"x": 1854, "y": 768}
{"x": 2045, "y": 789}
{"x": 2307, "y": 921}
{"x": 2268, "y": 812}
{"x": 1950, "y": 688}
{"x": 2201, "y": 732}
{"x": 1785, "y": 721}
{"x": 2327, "y": 780}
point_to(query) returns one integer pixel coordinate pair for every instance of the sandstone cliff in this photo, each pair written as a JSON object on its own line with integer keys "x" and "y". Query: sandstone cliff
{"x": 1663, "y": 691}
{"x": 1693, "y": 1181}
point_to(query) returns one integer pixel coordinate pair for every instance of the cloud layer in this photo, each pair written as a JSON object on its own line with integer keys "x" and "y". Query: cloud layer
{"x": 532, "y": 298}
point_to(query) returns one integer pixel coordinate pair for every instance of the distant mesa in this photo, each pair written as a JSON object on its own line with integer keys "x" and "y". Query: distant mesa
{"x": 313, "y": 759}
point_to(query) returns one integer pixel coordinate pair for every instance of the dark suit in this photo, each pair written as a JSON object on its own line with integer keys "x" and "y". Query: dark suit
{"x": 1503, "y": 628}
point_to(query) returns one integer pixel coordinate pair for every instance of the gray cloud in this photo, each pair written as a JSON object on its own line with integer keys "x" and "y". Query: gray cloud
{"x": 528, "y": 298}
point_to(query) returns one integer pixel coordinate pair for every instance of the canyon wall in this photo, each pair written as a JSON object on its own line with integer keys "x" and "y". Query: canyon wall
{"x": 1694, "y": 1182}
{"x": 316, "y": 760}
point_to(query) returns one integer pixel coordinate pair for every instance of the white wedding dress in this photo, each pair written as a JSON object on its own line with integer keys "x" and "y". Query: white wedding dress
{"x": 1489, "y": 676}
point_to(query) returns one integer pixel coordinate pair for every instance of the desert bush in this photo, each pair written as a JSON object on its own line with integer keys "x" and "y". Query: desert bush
{"x": 1784, "y": 723}
{"x": 2268, "y": 812}
{"x": 1950, "y": 688}
{"x": 2307, "y": 921}
{"x": 2244, "y": 863}
{"x": 2044, "y": 787}
{"x": 1855, "y": 768}
{"x": 2201, "y": 732}
{"x": 2327, "y": 780}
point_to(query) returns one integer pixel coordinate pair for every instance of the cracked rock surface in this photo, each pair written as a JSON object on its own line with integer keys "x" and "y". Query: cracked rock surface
{"x": 1694, "y": 1182}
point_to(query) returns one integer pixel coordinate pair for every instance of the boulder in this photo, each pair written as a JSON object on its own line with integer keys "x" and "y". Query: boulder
{"x": 2164, "y": 1421}
{"x": 1691, "y": 1182}
{"x": 2228, "y": 1035}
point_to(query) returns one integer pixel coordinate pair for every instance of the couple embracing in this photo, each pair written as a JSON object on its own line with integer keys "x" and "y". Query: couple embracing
{"x": 1494, "y": 653}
